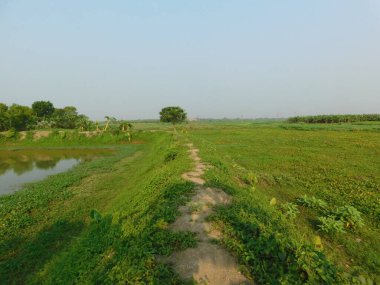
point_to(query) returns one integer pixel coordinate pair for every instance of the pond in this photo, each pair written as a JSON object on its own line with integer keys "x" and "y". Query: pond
{"x": 22, "y": 166}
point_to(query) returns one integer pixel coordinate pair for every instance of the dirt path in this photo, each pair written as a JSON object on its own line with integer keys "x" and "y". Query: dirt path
{"x": 208, "y": 263}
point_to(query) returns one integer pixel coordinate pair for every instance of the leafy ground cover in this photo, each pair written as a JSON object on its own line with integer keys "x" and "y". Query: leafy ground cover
{"x": 279, "y": 235}
{"x": 102, "y": 222}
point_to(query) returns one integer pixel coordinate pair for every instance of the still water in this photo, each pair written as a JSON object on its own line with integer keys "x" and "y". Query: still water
{"x": 21, "y": 166}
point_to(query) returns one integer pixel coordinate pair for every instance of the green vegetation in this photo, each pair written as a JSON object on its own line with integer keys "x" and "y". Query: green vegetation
{"x": 322, "y": 119}
{"x": 100, "y": 222}
{"x": 65, "y": 138}
{"x": 313, "y": 203}
{"x": 43, "y": 115}
{"x": 333, "y": 174}
{"x": 290, "y": 210}
{"x": 305, "y": 204}
{"x": 172, "y": 115}
{"x": 330, "y": 224}
{"x": 43, "y": 109}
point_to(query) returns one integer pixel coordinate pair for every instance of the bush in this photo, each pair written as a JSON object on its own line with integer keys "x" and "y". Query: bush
{"x": 290, "y": 210}
{"x": 312, "y": 202}
{"x": 330, "y": 224}
{"x": 350, "y": 216}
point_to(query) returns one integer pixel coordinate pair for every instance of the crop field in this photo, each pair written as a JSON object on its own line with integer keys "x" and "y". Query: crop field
{"x": 305, "y": 204}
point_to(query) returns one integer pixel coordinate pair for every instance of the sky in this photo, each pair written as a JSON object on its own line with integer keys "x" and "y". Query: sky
{"x": 214, "y": 58}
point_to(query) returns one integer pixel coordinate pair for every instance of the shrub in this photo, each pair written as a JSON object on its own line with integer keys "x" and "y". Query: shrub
{"x": 312, "y": 202}
{"x": 350, "y": 216}
{"x": 330, "y": 224}
{"x": 290, "y": 210}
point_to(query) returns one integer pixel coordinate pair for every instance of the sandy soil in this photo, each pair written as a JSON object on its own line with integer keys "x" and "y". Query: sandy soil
{"x": 41, "y": 134}
{"x": 22, "y": 135}
{"x": 208, "y": 263}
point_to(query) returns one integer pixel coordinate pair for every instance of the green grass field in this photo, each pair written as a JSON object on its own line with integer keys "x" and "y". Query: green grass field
{"x": 339, "y": 164}
{"x": 105, "y": 221}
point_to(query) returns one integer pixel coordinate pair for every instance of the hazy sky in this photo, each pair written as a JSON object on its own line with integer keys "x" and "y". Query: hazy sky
{"x": 216, "y": 58}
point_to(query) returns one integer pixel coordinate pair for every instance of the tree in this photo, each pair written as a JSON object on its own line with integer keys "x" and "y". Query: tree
{"x": 4, "y": 121}
{"x": 173, "y": 115}
{"x": 20, "y": 117}
{"x": 43, "y": 109}
{"x": 65, "y": 118}
{"x": 83, "y": 123}
{"x": 126, "y": 127}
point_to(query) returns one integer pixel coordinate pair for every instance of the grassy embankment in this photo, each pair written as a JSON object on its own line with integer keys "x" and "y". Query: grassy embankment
{"x": 257, "y": 162}
{"x": 102, "y": 222}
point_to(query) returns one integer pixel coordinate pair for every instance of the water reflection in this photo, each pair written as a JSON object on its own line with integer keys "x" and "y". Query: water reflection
{"x": 21, "y": 166}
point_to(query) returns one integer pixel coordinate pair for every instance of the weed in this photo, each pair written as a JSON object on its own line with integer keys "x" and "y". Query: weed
{"x": 290, "y": 210}
{"x": 330, "y": 224}
{"x": 350, "y": 216}
{"x": 312, "y": 203}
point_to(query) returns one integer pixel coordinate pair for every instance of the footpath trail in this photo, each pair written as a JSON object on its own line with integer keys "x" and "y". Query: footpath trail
{"x": 208, "y": 263}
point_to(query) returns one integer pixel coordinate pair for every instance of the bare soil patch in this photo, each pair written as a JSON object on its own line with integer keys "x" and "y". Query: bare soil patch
{"x": 41, "y": 134}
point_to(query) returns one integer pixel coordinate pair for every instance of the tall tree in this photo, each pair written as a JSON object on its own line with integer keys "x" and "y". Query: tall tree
{"x": 43, "y": 109}
{"x": 65, "y": 118}
{"x": 4, "y": 121}
{"x": 20, "y": 117}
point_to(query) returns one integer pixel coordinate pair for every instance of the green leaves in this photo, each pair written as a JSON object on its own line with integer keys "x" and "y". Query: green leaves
{"x": 334, "y": 221}
{"x": 43, "y": 109}
{"x": 330, "y": 224}
{"x": 312, "y": 202}
{"x": 290, "y": 210}
{"x": 350, "y": 216}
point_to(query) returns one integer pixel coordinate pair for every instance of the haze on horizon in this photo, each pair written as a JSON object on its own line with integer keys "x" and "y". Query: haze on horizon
{"x": 216, "y": 59}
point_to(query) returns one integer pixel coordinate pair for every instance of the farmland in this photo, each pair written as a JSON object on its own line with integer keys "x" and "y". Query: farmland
{"x": 106, "y": 220}
{"x": 266, "y": 166}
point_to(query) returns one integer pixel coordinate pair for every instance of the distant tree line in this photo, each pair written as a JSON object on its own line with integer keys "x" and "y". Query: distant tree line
{"x": 326, "y": 119}
{"x": 42, "y": 114}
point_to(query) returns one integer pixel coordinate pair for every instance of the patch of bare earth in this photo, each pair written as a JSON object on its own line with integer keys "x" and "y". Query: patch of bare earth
{"x": 40, "y": 134}
{"x": 208, "y": 263}
{"x": 22, "y": 135}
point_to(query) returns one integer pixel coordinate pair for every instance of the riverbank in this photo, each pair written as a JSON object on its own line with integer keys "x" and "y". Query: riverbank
{"x": 99, "y": 222}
